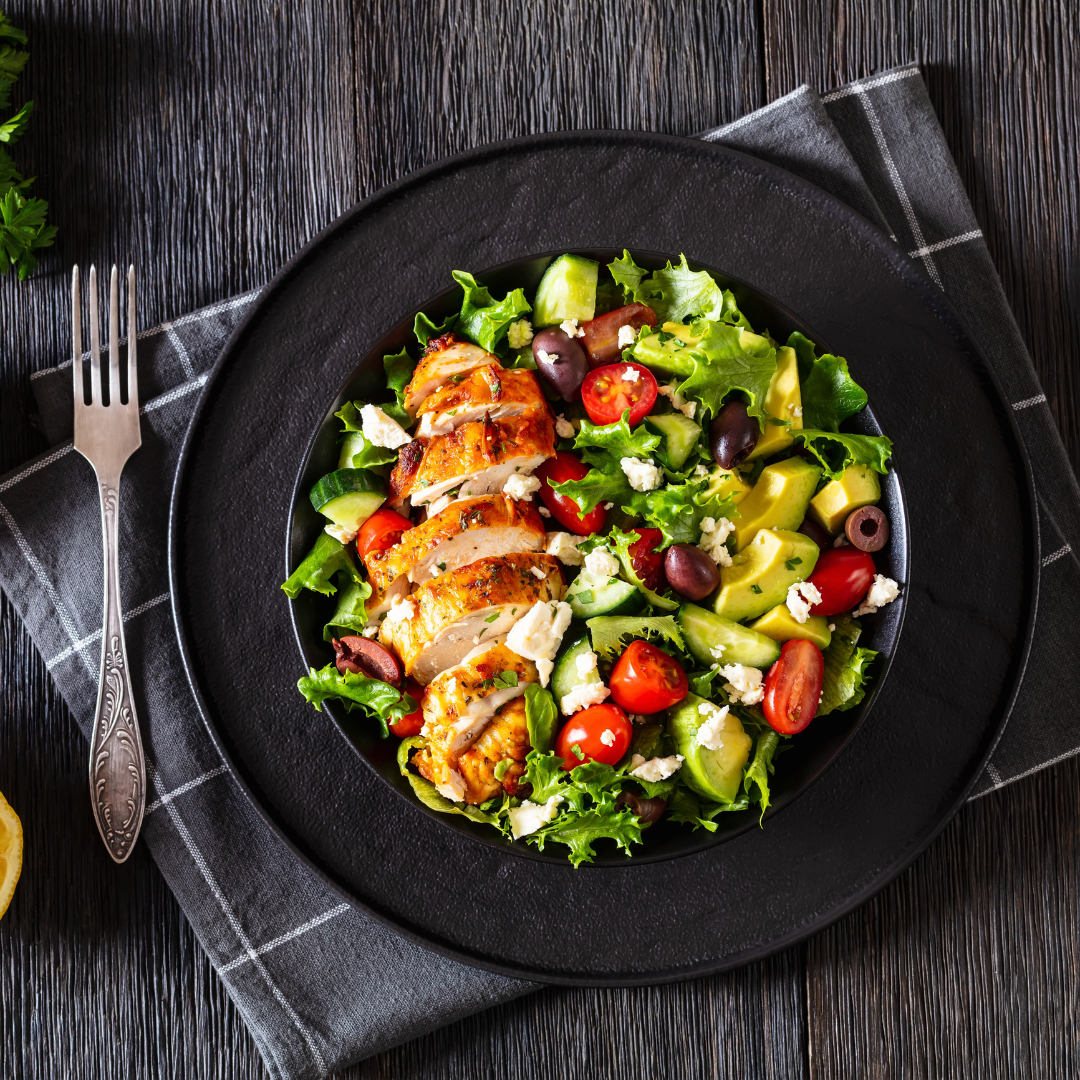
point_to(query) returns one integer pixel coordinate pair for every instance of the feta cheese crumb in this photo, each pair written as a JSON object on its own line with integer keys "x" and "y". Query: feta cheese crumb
{"x": 601, "y": 564}
{"x": 381, "y": 430}
{"x": 717, "y": 652}
{"x": 801, "y": 597}
{"x": 795, "y": 409}
{"x": 519, "y": 334}
{"x": 841, "y": 541}
{"x": 563, "y": 428}
{"x": 637, "y": 718}
{"x": 700, "y": 472}
{"x": 370, "y": 631}
{"x": 339, "y": 532}
{"x": 582, "y": 696}
{"x": 832, "y": 627}
{"x": 643, "y": 475}
{"x": 883, "y": 591}
{"x": 607, "y": 737}
{"x": 631, "y": 374}
{"x": 564, "y": 546}
{"x": 711, "y": 733}
{"x": 655, "y": 769}
{"x": 608, "y": 506}
{"x": 537, "y": 635}
{"x": 529, "y": 816}
{"x": 626, "y": 336}
{"x": 687, "y": 408}
{"x": 585, "y": 663}
{"x": 544, "y": 511}
{"x": 744, "y": 683}
{"x": 432, "y": 424}
{"x": 400, "y": 610}
{"x": 546, "y": 357}
{"x": 519, "y": 486}
{"x": 571, "y": 329}
{"x": 713, "y": 540}
{"x": 537, "y": 573}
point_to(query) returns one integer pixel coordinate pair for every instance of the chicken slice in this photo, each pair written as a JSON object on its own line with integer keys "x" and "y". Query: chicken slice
{"x": 382, "y": 599}
{"x": 463, "y": 532}
{"x": 489, "y": 389}
{"x": 477, "y": 458}
{"x": 443, "y": 359}
{"x": 445, "y": 617}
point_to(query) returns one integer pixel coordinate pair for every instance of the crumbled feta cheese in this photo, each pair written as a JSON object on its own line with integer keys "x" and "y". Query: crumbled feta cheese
{"x": 626, "y": 336}
{"x": 687, "y": 408}
{"x": 537, "y": 573}
{"x": 381, "y": 430}
{"x": 832, "y": 627}
{"x": 643, "y": 475}
{"x": 841, "y": 541}
{"x": 631, "y": 374}
{"x": 717, "y": 652}
{"x": 519, "y": 486}
{"x": 744, "y": 683}
{"x": 544, "y": 511}
{"x": 401, "y": 610}
{"x": 519, "y": 334}
{"x": 883, "y": 591}
{"x": 700, "y": 472}
{"x": 608, "y": 506}
{"x": 370, "y": 631}
{"x": 432, "y": 424}
{"x": 538, "y": 634}
{"x": 601, "y": 564}
{"x": 795, "y": 410}
{"x": 582, "y": 696}
{"x": 571, "y": 329}
{"x": 711, "y": 733}
{"x": 530, "y": 816}
{"x": 713, "y": 540}
{"x": 585, "y": 663}
{"x": 564, "y": 546}
{"x": 339, "y": 532}
{"x": 801, "y": 597}
{"x": 607, "y": 737}
{"x": 546, "y": 357}
{"x": 655, "y": 769}
{"x": 563, "y": 428}
{"x": 637, "y": 718}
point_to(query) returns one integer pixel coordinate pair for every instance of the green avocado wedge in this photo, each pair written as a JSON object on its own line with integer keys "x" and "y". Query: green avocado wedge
{"x": 761, "y": 574}
{"x": 715, "y": 774}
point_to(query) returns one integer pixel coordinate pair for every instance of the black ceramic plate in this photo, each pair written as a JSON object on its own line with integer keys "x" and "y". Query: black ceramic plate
{"x": 970, "y": 581}
{"x": 815, "y": 749}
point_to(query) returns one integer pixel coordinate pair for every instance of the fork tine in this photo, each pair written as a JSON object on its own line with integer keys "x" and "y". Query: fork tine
{"x": 132, "y": 334}
{"x": 76, "y": 340}
{"x": 95, "y": 342}
{"x": 114, "y": 338}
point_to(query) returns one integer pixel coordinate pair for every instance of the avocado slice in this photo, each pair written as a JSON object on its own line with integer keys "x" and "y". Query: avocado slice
{"x": 778, "y": 500}
{"x": 713, "y": 639}
{"x": 783, "y": 398}
{"x": 759, "y": 577}
{"x": 715, "y": 774}
{"x": 858, "y": 486}
{"x": 725, "y": 482}
{"x": 780, "y": 625}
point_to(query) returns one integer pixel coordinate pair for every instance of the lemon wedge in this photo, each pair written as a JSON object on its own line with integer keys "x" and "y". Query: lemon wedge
{"x": 10, "y": 853}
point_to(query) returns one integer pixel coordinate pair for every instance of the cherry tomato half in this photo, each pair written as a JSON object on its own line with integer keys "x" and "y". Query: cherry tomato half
{"x": 381, "y": 531}
{"x": 411, "y": 724}
{"x": 587, "y": 730}
{"x": 607, "y": 393}
{"x": 646, "y": 680}
{"x": 793, "y": 686}
{"x": 843, "y": 577}
{"x": 557, "y": 470}
{"x": 648, "y": 563}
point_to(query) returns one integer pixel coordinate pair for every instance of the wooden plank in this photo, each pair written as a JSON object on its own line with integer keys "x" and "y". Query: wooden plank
{"x": 967, "y": 965}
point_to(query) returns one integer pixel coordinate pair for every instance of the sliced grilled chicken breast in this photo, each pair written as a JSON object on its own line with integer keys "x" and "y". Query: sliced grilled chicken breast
{"x": 475, "y": 459}
{"x": 489, "y": 389}
{"x": 444, "y": 358}
{"x": 383, "y": 599}
{"x": 465, "y": 531}
{"x": 445, "y": 617}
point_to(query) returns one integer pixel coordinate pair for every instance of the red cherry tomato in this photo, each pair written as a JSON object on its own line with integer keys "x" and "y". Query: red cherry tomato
{"x": 793, "y": 686}
{"x": 647, "y": 563}
{"x": 381, "y": 531}
{"x": 411, "y": 724}
{"x": 557, "y": 470}
{"x": 586, "y": 730}
{"x": 607, "y": 393}
{"x": 646, "y": 680}
{"x": 843, "y": 577}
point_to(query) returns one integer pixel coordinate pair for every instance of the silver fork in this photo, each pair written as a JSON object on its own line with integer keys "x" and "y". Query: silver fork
{"x": 107, "y": 435}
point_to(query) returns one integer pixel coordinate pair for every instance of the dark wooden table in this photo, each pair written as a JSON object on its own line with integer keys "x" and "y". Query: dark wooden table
{"x": 208, "y": 141}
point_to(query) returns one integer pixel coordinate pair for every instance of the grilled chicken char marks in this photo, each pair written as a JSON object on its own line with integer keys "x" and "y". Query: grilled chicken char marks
{"x": 443, "y": 359}
{"x": 489, "y": 389}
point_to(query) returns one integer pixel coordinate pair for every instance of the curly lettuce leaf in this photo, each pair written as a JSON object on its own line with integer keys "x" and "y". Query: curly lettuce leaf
{"x": 757, "y": 771}
{"x": 846, "y": 668}
{"x": 678, "y": 510}
{"x": 619, "y": 439}
{"x": 579, "y": 831}
{"x": 836, "y": 450}
{"x": 686, "y": 808}
{"x": 484, "y": 320}
{"x": 356, "y": 691}
{"x": 627, "y": 275}
{"x": 829, "y": 394}
{"x": 541, "y": 716}
{"x": 319, "y": 566}
{"x": 350, "y": 615}
{"x": 623, "y": 541}
{"x": 729, "y": 358}
{"x": 609, "y": 633}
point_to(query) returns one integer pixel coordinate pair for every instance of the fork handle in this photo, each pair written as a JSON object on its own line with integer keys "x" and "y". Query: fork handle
{"x": 117, "y": 765}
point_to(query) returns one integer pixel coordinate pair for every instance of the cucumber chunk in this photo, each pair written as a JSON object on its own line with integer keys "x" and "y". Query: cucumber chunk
{"x": 588, "y": 597}
{"x": 680, "y": 436}
{"x": 705, "y": 631}
{"x": 566, "y": 291}
{"x": 565, "y": 675}
{"x": 348, "y": 497}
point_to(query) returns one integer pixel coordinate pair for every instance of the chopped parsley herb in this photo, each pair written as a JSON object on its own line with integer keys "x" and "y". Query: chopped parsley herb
{"x": 492, "y": 617}
{"x": 792, "y": 563}
{"x": 458, "y": 378}
{"x": 586, "y": 596}
{"x": 500, "y": 769}
{"x": 577, "y": 752}
{"x": 506, "y": 679}
{"x": 441, "y": 566}
{"x": 481, "y": 634}
{"x": 756, "y": 588}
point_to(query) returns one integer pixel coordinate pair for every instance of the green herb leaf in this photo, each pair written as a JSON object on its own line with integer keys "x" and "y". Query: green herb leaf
{"x": 792, "y": 563}
{"x": 541, "y": 716}
{"x": 757, "y": 588}
{"x": 494, "y": 617}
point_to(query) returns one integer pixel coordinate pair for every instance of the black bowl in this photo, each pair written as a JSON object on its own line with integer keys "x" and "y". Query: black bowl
{"x": 809, "y": 753}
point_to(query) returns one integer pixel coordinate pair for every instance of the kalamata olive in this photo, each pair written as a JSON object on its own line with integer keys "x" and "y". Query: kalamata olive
{"x": 690, "y": 572}
{"x": 733, "y": 434}
{"x": 601, "y": 335}
{"x": 816, "y": 533}
{"x": 358, "y": 654}
{"x": 561, "y": 360}
{"x": 647, "y": 811}
{"x": 867, "y": 528}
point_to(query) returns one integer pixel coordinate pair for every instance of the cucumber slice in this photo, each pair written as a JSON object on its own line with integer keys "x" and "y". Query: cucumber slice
{"x": 704, "y": 631}
{"x": 565, "y": 675}
{"x": 348, "y": 497}
{"x": 680, "y": 436}
{"x": 566, "y": 291}
{"x": 716, "y": 774}
{"x": 588, "y": 597}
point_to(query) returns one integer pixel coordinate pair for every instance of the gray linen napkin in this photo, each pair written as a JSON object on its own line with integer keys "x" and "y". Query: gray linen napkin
{"x": 319, "y": 984}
